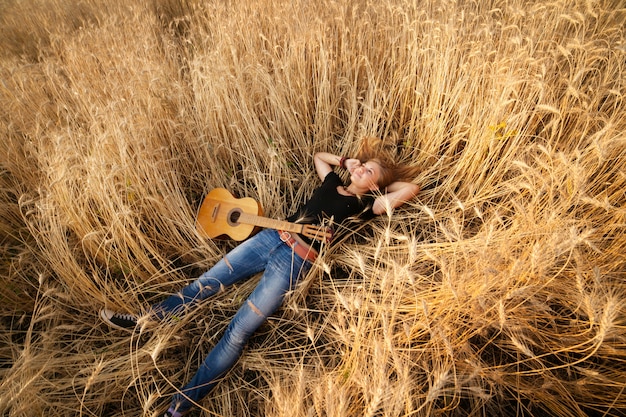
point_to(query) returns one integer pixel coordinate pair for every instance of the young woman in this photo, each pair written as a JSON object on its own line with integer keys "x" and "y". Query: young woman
{"x": 374, "y": 188}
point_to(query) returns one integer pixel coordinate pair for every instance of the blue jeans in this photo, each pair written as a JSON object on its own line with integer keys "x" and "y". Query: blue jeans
{"x": 264, "y": 251}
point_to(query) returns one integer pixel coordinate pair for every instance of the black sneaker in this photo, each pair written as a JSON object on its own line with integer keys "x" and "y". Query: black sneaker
{"x": 119, "y": 320}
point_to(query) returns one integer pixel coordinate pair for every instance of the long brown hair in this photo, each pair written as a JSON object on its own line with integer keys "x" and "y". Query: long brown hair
{"x": 384, "y": 154}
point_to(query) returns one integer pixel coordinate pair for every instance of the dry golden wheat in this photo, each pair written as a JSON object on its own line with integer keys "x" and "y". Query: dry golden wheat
{"x": 499, "y": 291}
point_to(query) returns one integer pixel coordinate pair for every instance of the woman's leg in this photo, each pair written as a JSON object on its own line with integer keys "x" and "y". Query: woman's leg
{"x": 242, "y": 262}
{"x": 280, "y": 276}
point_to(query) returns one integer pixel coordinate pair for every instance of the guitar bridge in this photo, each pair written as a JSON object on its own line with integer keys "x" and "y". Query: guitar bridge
{"x": 215, "y": 210}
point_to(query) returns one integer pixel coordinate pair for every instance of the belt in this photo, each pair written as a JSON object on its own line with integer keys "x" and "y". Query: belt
{"x": 307, "y": 254}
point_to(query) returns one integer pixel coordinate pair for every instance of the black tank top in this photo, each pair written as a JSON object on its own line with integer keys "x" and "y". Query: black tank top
{"x": 327, "y": 206}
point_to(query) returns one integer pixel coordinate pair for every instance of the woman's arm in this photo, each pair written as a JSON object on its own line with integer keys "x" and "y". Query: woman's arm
{"x": 325, "y": 161}
{"x": 397, "y": 194}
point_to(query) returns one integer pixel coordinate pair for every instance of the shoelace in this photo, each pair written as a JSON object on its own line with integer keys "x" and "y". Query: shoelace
{"x": 127, "y": 317}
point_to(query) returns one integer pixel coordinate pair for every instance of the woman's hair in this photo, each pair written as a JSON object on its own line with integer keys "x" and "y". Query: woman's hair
{"x": 384, "y": 154}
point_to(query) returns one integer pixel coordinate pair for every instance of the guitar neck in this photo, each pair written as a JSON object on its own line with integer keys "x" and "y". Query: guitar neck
{"x": 269, "y": 223}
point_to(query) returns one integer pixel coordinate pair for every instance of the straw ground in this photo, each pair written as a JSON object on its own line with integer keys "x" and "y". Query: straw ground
{"x": 499, "y": 291}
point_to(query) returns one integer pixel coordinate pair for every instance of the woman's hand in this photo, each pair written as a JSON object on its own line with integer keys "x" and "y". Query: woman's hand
{"x": 351, "y": 164}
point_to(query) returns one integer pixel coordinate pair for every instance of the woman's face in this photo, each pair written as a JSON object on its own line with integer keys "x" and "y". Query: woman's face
{"x": 366, "y": 176}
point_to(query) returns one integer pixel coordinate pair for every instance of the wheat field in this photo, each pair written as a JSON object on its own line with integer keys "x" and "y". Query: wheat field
{"x": 498, "y": 291}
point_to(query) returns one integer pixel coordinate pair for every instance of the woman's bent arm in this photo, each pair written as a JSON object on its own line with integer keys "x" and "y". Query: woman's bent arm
{"x": 397, "y": 194}
{"x": 324, "y": 162}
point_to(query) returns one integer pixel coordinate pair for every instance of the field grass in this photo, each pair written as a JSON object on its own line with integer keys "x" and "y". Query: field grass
{"x": 498, "y": 291}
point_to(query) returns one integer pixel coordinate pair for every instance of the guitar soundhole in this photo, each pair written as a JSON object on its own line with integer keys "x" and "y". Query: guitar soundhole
{"x": 233, "y": 217}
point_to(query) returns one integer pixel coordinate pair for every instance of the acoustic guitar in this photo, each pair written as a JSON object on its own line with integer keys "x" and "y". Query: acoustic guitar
{"x": 223, "y": 214}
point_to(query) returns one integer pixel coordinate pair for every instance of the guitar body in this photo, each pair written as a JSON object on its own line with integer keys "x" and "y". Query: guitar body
{"x": 219, "y": 214}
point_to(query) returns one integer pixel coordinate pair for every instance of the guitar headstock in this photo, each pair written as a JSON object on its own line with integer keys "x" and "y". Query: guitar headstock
{"x": 322, "y": 233}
